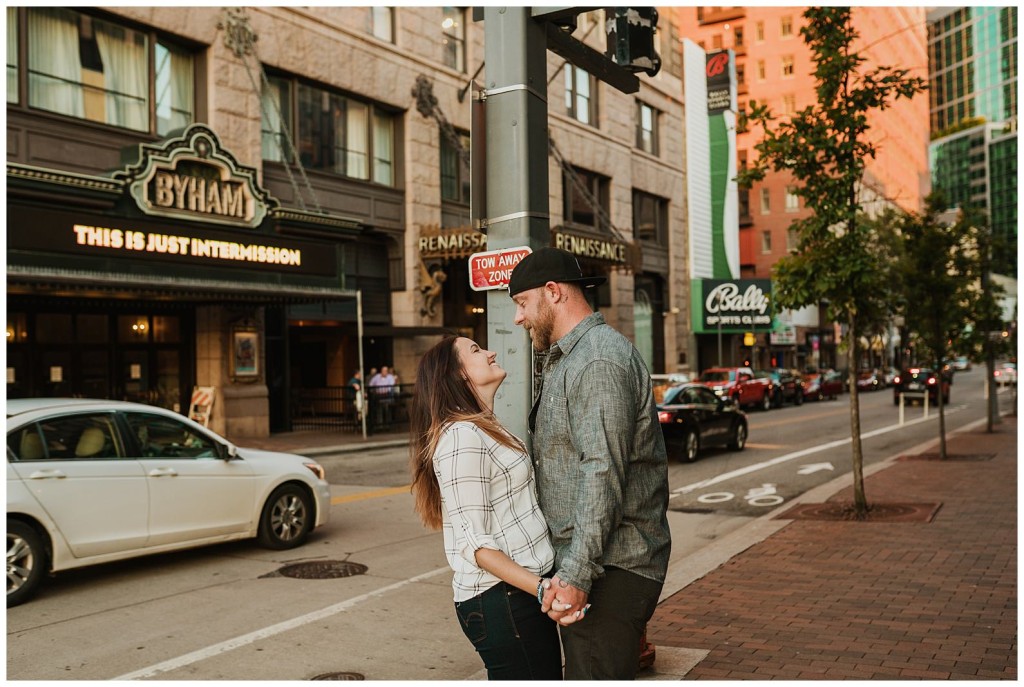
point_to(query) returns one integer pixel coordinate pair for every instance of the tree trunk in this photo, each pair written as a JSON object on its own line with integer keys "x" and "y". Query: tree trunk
{"x": 860, "y": 502}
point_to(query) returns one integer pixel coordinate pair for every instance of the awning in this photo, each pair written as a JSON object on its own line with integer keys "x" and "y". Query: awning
{"x": 50, "y": 281}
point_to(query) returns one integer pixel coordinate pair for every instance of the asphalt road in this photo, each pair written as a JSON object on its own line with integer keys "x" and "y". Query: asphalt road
{"x": 225, "y": 612}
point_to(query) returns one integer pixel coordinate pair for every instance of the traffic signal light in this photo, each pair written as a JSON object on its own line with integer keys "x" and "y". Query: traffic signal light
{"x": 631, "y": 38}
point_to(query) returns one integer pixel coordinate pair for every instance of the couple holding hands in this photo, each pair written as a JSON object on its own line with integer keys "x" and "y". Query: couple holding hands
{"x": 575, "y": 541}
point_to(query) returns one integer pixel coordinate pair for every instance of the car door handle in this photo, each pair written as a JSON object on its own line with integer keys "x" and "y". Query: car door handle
{"x": 163, "y": 472}
{"x": 47, "y": 474}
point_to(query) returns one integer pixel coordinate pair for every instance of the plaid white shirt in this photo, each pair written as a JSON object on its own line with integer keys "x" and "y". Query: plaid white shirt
{"x": 489, "y": 500}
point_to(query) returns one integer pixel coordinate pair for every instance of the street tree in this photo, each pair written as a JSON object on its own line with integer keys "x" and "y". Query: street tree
{"x": 941, "y": 269}
{"x": 825, "y": 147}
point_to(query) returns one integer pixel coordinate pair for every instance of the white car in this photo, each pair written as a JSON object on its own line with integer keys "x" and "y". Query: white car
{"x": 93, "y": 481}
{"x": 1006, "y": 374}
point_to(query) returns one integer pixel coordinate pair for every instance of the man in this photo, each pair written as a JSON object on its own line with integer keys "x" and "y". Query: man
{"x": 601, "y": 469}
{"x": 382, "y": 387}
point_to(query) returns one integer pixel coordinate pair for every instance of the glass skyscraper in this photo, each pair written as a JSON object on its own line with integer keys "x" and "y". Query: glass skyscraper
{"x": 972, "y": 55}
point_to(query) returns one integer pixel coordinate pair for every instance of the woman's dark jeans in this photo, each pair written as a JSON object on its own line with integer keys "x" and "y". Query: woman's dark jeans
{"x": 515, "y": 640}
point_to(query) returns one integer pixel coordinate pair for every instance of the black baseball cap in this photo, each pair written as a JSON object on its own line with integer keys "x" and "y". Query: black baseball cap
{"x": 549, "y": 264}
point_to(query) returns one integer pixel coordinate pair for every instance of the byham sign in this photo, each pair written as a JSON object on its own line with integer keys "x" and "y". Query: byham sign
{"x": 191, "y": 177}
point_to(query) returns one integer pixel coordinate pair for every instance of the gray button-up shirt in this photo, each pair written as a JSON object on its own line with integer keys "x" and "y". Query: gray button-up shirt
{"x": 599, "y": 457}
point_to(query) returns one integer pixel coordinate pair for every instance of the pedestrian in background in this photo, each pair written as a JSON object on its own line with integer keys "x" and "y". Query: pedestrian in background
{"x": 382, "y": 388}
{"x": 474, "y": 480}
{"x": 356, "y": 385}
{"x": 601, "y": 468}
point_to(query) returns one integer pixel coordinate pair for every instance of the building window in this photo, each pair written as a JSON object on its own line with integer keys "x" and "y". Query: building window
{"x": 580, "y": 89}
{"x": 716, "y": 41}
{"x": 647, "y": 128}
{"x": 650, "y": 218}
{"x": 382, "y": 23}
{"x": 12, "y": 55}
{"x": 759, "y": 31}
{"x": 762, "y": 71}
{"x": 787, "y": 66}
{"x": 455, "y": 169}
{"x": 454, "y": 38}
{"x": 332, "y": 132}
{"x": 741, "y": 75}
{"x": 766, "y": 204}
{"x": 738, "y": 36}
{"x": 766, "y": 242}
{"x": 792, "y": 199}
{"x": 91, "y": 69}
{"x": 579, "y": 209}
{"x": 786, "y": 27}
{"x": 791, "y": 240}
{"x": 789, "y": 104}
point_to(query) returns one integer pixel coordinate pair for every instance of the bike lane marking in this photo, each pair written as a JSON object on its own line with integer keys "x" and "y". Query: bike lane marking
{"x": 264, "y": 633}
{"x": 797, "y": 454}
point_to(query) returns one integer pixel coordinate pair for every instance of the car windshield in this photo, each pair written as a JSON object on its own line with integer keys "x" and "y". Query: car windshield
{"x": 718, "y": 376}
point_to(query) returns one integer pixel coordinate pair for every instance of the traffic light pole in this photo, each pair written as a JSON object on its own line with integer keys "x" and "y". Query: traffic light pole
{"x": 515, "y": 51}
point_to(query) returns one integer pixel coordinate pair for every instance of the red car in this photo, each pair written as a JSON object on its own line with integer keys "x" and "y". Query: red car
{"x": 821, "y": 385}
{"x": 740, "y": 384}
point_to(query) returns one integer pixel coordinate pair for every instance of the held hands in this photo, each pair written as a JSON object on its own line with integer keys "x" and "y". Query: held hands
{"x": 563, "y": 602}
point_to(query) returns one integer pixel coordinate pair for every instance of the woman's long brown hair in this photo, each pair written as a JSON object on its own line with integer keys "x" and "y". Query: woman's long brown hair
{"x": 443, "y": 396}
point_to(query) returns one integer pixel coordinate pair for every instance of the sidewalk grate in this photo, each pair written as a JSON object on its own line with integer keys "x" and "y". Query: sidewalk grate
{"x": 949, "y": 456}
{"x": 877, "y": 512}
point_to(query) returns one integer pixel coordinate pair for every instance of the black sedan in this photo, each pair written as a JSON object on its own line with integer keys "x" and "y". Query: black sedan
{"x": 693, "y": 418}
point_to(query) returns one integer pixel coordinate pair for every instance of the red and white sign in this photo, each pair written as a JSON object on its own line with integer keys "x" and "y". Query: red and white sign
{"x": 492, "y": 269}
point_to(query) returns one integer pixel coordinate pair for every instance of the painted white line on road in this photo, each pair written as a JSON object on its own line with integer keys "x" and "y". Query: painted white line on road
{"x": 231, "y": 644}
{"x": 799, "y": 454}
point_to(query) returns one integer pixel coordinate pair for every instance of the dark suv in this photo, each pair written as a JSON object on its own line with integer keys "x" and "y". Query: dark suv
{"x": 916, "y": 381}
{"x": 787, "y": 386}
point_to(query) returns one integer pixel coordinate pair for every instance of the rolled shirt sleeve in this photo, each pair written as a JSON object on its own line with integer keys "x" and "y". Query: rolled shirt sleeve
{"x": 463, "y": 467}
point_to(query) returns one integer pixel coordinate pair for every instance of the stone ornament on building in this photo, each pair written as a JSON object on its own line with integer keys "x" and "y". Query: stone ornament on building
{"x": 191, "y": 177}
{"x": 431, "y": 287}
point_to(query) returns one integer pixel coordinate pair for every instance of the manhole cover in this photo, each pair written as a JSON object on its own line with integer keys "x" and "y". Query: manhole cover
{"x": 949, "y": 456}
{"x": 877, "y": 512}
{"x": 320, "y": 570}
{"x": 339, "y": 676}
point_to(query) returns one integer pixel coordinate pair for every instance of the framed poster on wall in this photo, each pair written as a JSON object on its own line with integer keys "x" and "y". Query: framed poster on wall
{"x": 245, "y": 352}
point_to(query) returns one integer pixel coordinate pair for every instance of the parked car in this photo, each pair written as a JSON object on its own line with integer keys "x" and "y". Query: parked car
{"x": 916, "y": 381}
{"x": 93, "y": 481}
{"x": 870, "y": 380}
{"x": 889, "y": 374}
{"x": 1006, "y": 374}
{"x": 663, "y": 382}
{"x": 740, "y": 384}
{"x": 961, "y": 363}
{"x": 693, "y": 418}
{"x": 823, "y": 384}
{"x": 787, "y": 386}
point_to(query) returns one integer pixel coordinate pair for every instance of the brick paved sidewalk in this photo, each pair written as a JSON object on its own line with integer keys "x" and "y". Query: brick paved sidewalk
{"x": 849, "y": 600}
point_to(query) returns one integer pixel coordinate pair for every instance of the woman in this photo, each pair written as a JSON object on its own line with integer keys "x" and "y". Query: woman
{"x": 474, "y": 480}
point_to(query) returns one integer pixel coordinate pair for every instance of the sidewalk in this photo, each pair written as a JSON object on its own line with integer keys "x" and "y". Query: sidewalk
{"x": 826, "y": 600}
{"x": 871, "y": 600}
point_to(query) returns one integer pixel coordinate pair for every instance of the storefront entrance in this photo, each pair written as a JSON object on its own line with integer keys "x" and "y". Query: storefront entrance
{"x": 132, "y": 356}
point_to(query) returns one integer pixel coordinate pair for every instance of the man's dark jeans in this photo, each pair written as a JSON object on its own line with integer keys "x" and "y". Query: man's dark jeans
{"x": 515, "y": 640}
{"x": 606, "y": 644}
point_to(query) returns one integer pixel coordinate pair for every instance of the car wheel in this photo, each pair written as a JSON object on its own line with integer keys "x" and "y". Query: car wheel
{"x": 287, "y": 518}
{"x": 739, "y": 437}
{"x": 766, "y": 402}
{"x": 26, "y": 562}
{"x": 691, "y": 446}
{"x": 799, "y": 398}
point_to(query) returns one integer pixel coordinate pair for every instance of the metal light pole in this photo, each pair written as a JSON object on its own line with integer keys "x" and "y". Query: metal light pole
{"x": 515, "y": 50}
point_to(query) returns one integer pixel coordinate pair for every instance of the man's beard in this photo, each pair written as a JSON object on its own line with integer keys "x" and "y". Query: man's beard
{"x": 540, "y": 330}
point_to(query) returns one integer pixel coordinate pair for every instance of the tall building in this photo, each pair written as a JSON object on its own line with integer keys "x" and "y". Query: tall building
{"x": 972, "y": 58}
{"x": 774, "y": 66}
{"x": 195, "y": 199}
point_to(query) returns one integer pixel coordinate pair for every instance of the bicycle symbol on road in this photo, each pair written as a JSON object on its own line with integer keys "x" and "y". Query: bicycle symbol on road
{"x": 763, "y": 496}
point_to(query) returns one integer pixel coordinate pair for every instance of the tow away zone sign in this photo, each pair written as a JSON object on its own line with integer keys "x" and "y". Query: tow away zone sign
{"x": 492, "y": 269}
